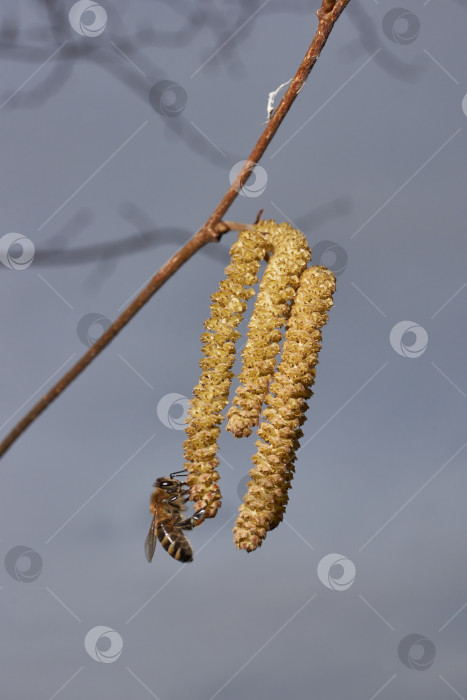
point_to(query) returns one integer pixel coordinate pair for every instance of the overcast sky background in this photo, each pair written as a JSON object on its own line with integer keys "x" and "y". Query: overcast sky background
{"x": 104, "y": 176}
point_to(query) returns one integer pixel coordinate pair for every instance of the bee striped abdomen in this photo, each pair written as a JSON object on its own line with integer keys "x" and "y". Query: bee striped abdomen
{"x": 174, "y": 541}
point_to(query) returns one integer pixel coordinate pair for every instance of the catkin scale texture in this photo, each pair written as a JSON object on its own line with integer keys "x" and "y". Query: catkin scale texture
{"x": 265, "y": 501}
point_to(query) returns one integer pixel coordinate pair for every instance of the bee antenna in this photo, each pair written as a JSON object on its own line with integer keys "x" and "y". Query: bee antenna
{"x": 181, "y": 471}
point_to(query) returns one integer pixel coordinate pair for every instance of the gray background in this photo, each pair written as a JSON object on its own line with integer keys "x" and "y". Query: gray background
{"x": 372, "y": 159}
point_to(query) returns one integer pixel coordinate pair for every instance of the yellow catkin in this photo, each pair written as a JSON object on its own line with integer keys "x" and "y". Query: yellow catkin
{"x": 264, "y": 504}
{"x": 290, "y": 255}
{"x": 212, "y": 392}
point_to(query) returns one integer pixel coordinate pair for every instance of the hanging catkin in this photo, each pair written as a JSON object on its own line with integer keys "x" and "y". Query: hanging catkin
{"x": 264, "y": 503}
{"x": 290, "y": 296}
{"x": 212, "y": 392}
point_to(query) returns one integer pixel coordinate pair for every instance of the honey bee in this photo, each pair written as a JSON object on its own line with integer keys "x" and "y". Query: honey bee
{"x": 167, "y": 504}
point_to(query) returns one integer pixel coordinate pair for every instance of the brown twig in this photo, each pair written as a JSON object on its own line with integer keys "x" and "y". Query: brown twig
{"x": 212, "y": 230}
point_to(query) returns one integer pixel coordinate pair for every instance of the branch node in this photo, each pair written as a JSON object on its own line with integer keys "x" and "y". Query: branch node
{"x": 218, "y": 230}
{"x": 327, "y": 6}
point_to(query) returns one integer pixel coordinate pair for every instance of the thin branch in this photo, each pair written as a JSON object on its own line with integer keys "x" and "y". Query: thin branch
{"x": 212, "y": 230}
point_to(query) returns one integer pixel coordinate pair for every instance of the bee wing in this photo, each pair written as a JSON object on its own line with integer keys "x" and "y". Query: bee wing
{"x": 151, "y": 540}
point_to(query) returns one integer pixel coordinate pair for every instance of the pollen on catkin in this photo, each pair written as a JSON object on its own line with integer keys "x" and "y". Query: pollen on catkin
{"x": 290, "y": 255}
{"x": 280, "y": 430}
{"x": 211, "y": 394}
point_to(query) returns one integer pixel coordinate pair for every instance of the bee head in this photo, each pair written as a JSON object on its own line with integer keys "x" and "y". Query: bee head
{"x": 167, "y": 484}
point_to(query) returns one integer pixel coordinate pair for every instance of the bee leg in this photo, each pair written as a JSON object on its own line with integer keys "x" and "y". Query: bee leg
{"x": 194, "y": 520}
{"x": 181, "y": 494}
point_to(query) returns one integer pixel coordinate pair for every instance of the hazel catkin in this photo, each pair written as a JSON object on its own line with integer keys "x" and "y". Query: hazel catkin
{"x": 212, "y": 391}
{"x": 265, "y": 501}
